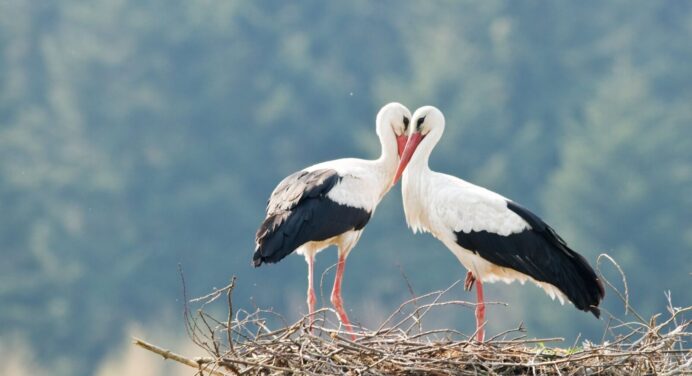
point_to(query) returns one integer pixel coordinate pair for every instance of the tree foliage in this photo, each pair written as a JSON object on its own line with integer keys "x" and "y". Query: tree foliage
{"x": 136, "y": 135}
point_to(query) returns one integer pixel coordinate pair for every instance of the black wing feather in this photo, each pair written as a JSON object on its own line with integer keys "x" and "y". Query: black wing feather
{"x": 299, "y": 211}
{"x": 541, "y": 254}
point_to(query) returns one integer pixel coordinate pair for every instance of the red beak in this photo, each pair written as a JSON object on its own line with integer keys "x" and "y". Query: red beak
{"x": 401, "y": 143}
{"x": 410, "y": 148}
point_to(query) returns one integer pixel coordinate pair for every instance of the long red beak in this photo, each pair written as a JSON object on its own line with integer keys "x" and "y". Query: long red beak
{"x": 401, "y": 143}
{"x": 410, "y": 148}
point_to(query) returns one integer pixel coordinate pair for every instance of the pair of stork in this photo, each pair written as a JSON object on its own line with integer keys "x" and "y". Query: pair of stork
{"x": 493, "y": 237}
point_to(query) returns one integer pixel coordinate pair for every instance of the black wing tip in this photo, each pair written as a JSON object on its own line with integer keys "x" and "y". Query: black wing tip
{"x": 601, "y": 294}
{"x": 257, "y": 258}
{"x": 595, "y": 297}
{"x": 595, "y": 311}
{"x": 595, "y": 287}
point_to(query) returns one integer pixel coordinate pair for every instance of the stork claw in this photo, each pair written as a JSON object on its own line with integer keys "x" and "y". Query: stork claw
{"x": 468, "y": 282}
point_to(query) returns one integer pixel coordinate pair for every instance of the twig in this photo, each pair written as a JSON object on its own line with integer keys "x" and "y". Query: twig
{"x": 626, "y": 298}
{"x": 229, "y": 331}
{"x": 167, "y": 354}
{"x": 417, "y": 317}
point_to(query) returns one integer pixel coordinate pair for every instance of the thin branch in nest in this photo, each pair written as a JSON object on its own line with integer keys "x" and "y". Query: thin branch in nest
{"x": 189, "y": 329}
{"x": 624, "y": 297}
{"x": 230, "y": 313}
{"x": 212, "y": 296}
{"x": 417, "y": 317}
{"x": 324, "y": 274}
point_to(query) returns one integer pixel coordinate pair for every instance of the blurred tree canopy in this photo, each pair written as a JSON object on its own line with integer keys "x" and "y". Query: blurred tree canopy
{"x": 136, "y": 135}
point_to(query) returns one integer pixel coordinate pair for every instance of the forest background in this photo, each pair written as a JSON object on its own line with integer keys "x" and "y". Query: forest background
{"x": 139, "y": 135}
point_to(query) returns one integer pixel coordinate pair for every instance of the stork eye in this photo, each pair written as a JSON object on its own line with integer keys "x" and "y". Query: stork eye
{"x": 406, "y": 122}
{"x": 420, "y": 121}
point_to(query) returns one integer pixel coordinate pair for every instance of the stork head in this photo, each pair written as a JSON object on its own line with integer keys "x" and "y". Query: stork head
{"x": 394, "y": 117}
{"x": 427, "y": 125}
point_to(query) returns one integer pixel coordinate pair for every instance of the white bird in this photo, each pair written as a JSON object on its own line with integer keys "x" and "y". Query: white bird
{"x": 492, "y": 236}
{"x": 330, "y": 203}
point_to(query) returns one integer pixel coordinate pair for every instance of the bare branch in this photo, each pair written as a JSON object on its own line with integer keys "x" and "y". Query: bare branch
{"x": 167, "y": 354}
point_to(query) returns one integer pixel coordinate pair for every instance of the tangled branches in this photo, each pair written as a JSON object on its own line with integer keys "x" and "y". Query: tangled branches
{"x": 244, "y": 344}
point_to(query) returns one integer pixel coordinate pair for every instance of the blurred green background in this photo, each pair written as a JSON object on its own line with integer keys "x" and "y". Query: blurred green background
{"x": 139, "y": 135}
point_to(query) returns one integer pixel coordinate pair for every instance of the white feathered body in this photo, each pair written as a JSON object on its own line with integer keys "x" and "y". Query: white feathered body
{"x": 362, "y": 185}
{"x": 442, "y": 204}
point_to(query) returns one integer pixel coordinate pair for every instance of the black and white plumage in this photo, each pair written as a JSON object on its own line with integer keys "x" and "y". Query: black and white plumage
{"x": 300, "y": 211}
{"x": 330, "y": 203}
{"x": 493, "y": 237}
{"x": 538, "y": 252}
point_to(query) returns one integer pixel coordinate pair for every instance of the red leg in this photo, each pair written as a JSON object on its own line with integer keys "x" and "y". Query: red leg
{"x": 480, "y": 312}
{"x": 336, "y": 296}
{"x": 311, "y": 290}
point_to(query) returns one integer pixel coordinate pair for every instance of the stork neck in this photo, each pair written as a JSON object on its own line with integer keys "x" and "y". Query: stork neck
{"x": 389, "y": 158}
{"x": 420, "y": 158}
{"x": 415, "y": 175}
{"x": 413, "y": 190}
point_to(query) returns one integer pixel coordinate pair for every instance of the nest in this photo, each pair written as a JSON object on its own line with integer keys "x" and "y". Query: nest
{"x": 242, "y": 343}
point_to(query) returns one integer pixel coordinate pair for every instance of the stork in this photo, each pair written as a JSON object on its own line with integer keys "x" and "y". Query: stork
{"x": 329, "y": 204}
{"x": 492, "y": 236}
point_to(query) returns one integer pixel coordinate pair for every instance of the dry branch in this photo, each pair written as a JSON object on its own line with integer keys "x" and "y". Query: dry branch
{"x": 245, "y": 345}
{"x": 198, "y": 364}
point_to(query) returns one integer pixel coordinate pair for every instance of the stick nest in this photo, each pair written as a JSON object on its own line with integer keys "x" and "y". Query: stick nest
{"x": 242, "y": 343}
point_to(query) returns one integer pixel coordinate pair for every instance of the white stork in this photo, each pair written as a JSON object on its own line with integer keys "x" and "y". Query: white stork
{"x": 330, "y": 203}
{"x": 492, "y": 236}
